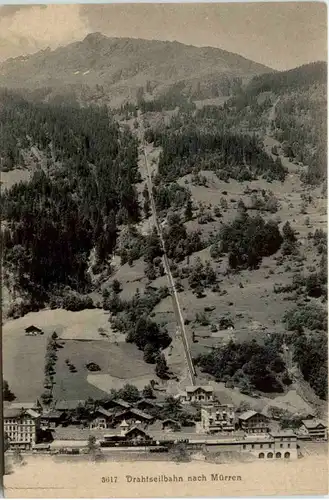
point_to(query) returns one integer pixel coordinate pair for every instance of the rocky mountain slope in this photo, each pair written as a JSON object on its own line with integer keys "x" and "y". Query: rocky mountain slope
{"x": 122, "y": 65}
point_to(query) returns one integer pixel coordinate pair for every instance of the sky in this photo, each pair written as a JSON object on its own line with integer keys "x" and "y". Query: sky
{"x": 279, "y": 35}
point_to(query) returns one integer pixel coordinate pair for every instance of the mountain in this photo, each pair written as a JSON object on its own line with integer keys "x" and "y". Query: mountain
{"x": 123, "y": 65}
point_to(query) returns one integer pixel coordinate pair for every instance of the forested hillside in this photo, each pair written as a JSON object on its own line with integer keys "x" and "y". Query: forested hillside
{"x": 72, "y": 204}
{"x": 236, "y": 213}
{"x": 300, "y": 119}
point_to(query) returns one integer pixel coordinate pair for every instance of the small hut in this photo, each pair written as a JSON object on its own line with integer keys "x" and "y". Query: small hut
{"x": 33, "y": 330}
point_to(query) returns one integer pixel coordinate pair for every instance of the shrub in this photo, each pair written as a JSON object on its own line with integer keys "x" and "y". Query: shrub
{"x": 75, "y": 302}
{"x": 93, "y": 367}
{"x": 151, "y": 353}
{"x": 313, "y": 317}
{"x": 161, "y": 368}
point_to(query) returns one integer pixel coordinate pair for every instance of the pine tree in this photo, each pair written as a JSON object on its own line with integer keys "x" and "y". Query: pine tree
{"x": 161, "y": 368}
{"x": 188, "y": 210}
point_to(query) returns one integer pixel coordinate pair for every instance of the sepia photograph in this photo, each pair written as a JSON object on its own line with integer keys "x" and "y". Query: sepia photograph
{"x": 164, "y": 249}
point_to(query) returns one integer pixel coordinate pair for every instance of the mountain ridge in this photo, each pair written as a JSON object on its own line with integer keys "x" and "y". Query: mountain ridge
{"x": 112, "y": 62}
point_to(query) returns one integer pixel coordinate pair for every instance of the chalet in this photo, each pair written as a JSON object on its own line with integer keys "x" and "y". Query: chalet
{"x": 314, "y": 429}
{"x": 137, "y": 435}
{"x": 118, "y": 404}
{"x": 195, "y": 394}
{"x": 253, "y": 422}
{"x": 101, "y": 418}
{"x": 33, "y": 330}
{"x": 127, "y": 436}
{"x": 170, "y": 425}
{"x": 133, "y": 416}
{"x": 51, "y": 419}
{"x": 217, "y": 418}
{"x": 21, "y": 427}
{"x": 147, "y": 404}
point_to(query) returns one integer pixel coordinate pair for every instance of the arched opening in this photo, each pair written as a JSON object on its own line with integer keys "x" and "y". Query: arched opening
{"x": 278, "y": 455}
{"x": 287, "y": 454}
{"x": 270, "y": 455}
{"x": 261, "y": 455}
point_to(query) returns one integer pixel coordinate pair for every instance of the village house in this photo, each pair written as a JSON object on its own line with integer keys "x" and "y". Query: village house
{"x": 50, "y": 419}
{"x": 101, "y": 419}
{"x": 117, "y": 404}
{"x": 253, "y": 422}
{"x": 147, "y": 405}
{"x": 137, "y": 435}
{"x": 33, "y": 330}
{"x": 170, "y": 425}
{"x": 128, "y": 435}
{"x": 217, "y": 418}
{"x": 314, "y": 429}
{"x": 21, "y": 427}
{"x": 132, "y": 416}
{"x": 196, "y": 394}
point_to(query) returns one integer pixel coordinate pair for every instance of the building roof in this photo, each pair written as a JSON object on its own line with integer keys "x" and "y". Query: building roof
{"x": 9, "y": 412}
{"x": 250, "y": 413}
{"x": 193, "y": 436}
{"x": 205, "y": 388}
{"x": 121, "y": 402}
{"x": 25, "y": 405}
{"x": 284, "y": 433}
{"x": 313, "y": 423}
{"x": 216, "y": 405}
{"x": 136, "y": 428}
{"x": 52, "y": 414}
{"x": 170, "y": 420}
{"x": 32, "y": 413}
{"x": 134, "y": 411}
{"x": 141, "y": 414}
{"x": 62, "y": 404}
{"x": 102, "y": 411}
{"x": 33, "y": 328}
{"x": 150, "y": 402}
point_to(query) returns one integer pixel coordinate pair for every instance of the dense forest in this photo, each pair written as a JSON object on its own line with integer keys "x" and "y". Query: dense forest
{"x": 311, "y": 355}
{"x": 236, "y": 156}
{"x": 301, "y": 126}
{"x": 248, "y": 365}
{"x": 301, "y": 113}
{"x": 296, "y": 78}
{"x": 83, "y": 189}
